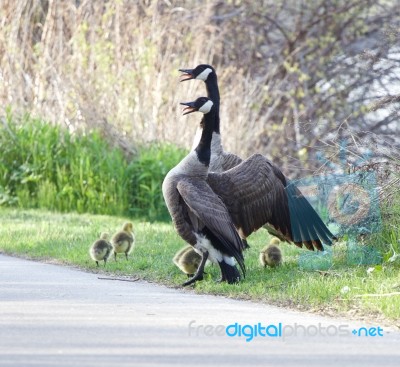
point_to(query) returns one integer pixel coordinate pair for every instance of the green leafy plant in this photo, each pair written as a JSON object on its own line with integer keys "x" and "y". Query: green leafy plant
{"x": 148, "y": 171}
{"x": 45, "y": 166}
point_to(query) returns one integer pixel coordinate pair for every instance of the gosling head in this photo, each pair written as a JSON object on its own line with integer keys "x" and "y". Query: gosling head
{"x": 274, "y": 241}
{"x": 201, "y": 72}
{"x": 127, "y": 227}
{"x": 105, "y": 236}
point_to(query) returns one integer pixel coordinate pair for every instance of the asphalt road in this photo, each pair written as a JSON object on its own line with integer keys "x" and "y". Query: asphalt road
{"x": 56, "y": 316}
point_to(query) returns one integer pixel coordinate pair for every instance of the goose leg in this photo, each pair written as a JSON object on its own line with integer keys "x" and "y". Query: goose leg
{"x": 199, "y": 272}
{"x": 191, "y": 275}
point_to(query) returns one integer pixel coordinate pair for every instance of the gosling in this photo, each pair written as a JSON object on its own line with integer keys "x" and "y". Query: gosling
{"x": 271, "y": 255}
{"x": 187, "y": 260}
{"x": 274, "y": 241}
{"x": 123, "y": 241}
{"x": 101, "y": 249}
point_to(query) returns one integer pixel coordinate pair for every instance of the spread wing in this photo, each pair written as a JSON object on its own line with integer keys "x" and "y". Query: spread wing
{"x": 307, "y": 226}
{"x": 254, "y": 195}
{"x": 209, "y": 209}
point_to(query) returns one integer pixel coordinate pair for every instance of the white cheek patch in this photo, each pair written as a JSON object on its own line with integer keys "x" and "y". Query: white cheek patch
{"x": 204, "y": 74}
{"x": 206, "y": 107}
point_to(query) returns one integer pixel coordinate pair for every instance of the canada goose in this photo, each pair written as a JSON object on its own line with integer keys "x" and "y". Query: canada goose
{"x": 187, "y": 260}
{"x": 256, "y": 194}
{"x": 271, "y": 254}
{"x": 220, "y": 160}
{"x": 101, "y": 249}
{"x": 199, "y": 215}
{"x": 124, "y": 240}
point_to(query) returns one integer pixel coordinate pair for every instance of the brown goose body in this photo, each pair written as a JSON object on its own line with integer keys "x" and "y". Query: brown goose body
{"x": 101, "y": 249}
{"x": 200, "y": 217}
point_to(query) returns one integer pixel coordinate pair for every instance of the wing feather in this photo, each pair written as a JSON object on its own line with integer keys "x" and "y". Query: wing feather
{"x": 212, "y": 212}
{"x": 230, "y": 160}
{"x": 254, "y": 195}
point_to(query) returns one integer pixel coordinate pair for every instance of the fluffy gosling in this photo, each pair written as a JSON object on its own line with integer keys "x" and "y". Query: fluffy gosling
{"x": 101, "y": 249}
{"x": 274, "y": 241}
{"x": 187, "y": 260}
{"x": 123, "y": 241}
{"x": 271, "y": 254}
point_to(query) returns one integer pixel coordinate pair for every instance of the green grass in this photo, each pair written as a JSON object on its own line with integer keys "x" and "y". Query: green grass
{"x": 66, "y": 238}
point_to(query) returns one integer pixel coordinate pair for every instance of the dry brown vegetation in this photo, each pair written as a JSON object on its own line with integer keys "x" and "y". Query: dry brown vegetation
{"x": 294, "y": 75}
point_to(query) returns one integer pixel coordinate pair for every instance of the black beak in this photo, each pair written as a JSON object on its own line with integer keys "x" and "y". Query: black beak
{"x": 190, "y": 107}
{"x": 187, "y": 74}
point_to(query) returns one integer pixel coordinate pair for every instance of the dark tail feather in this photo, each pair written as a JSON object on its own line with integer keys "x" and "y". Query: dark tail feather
{"x": 229, "y": 273}
{"x": 298, "y": 221}
{"x": 307, "y": 226}
{"x": 220, "y": 243}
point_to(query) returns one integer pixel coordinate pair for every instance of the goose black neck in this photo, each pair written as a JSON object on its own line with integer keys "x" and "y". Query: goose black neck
{"x": 213, "y": 94}
{"x": 203, "y": 149}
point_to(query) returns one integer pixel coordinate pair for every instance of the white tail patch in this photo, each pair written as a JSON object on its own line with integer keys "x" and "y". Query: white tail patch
{"x": 203, "y": 244}
{"x": 230, "y": 260}
{"x": 204, "y": 74}
{"x": 215, "y": 256}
